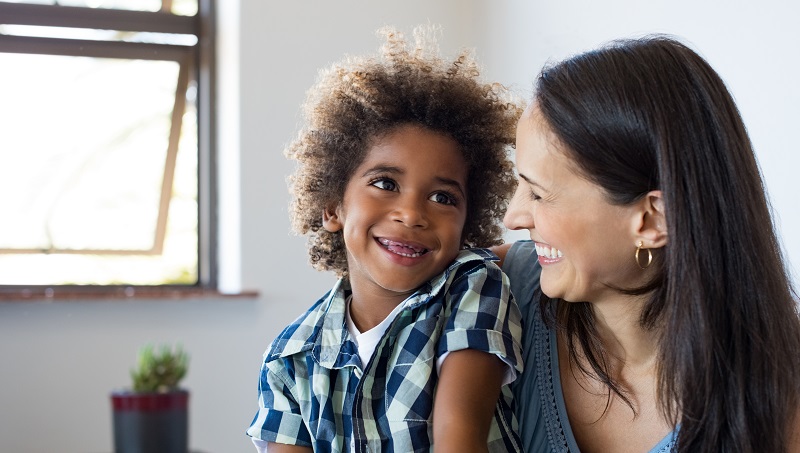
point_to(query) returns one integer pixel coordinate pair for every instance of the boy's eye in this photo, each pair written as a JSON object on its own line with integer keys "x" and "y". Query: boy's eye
{"x": 443, "y": 198}
{"x": 384, "y": 184}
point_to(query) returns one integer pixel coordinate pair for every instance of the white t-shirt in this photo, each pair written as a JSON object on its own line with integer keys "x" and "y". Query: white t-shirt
{"x": 367, "y": 341}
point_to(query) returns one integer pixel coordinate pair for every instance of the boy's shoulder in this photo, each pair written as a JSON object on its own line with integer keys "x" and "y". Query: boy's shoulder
{"x": 469, "y": 262}
{"x": 301, "y": 335}
{"x": 473, "y": 260}
{"x": 476, "y": 253}
{"x": 474, "y": 256}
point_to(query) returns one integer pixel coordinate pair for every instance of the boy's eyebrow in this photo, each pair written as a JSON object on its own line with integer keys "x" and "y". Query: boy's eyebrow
{"x": 451, "y": 182}
{"x": 397, "y": 170}
{"x": 382, "y": 169}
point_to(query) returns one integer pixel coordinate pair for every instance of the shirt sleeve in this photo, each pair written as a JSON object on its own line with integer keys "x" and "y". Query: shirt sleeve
{"x": 483, "y": 316}
{"x": 278, "y": 418}
{"x": 261, "y": 445}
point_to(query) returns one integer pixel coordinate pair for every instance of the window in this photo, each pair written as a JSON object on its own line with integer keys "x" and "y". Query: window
{"x": 106, "y": 144}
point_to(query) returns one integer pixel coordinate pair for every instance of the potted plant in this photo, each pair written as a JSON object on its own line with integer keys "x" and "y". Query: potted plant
{"x": 152, "y": 416}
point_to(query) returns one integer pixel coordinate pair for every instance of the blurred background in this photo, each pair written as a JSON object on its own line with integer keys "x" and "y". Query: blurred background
{"x": 59, "y": 359}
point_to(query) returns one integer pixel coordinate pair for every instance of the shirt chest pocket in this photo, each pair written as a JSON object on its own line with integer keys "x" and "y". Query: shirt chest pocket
{"x": 412, "y": 372}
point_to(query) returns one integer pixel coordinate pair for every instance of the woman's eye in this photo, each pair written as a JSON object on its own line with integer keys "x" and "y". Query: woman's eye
{"x": 533, "y": 196}
{"x": 384, "y": 184}
{"x": 443, "y": 198}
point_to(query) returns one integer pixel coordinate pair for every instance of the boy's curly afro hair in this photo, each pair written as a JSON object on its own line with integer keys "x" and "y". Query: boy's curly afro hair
{"x": 360, "y": 99}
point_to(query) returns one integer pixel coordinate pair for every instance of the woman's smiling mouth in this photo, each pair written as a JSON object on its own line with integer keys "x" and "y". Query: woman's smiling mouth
{"x": 548, "y": 254}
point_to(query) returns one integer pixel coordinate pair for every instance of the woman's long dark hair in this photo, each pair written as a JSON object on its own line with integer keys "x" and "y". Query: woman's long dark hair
{"x": 646, "y": 114}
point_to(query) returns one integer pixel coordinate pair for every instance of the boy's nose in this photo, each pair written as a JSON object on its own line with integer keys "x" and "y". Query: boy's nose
{"x": 410, "y": 212}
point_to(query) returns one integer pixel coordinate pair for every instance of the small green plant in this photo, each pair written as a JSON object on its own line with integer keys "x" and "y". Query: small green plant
{"x": 159, "y": 370}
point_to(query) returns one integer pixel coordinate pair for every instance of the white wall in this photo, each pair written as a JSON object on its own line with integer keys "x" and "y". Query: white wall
{"x": 58, "y": 361}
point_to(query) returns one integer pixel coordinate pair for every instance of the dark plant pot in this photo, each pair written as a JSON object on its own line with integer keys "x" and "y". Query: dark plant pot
{"x": 151, "y": 422}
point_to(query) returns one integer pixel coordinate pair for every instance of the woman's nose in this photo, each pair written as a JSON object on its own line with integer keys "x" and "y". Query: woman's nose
{"x": 519, "y": 215}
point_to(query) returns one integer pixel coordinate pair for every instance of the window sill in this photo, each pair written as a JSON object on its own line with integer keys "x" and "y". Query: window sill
{"x": 59, "y": 293}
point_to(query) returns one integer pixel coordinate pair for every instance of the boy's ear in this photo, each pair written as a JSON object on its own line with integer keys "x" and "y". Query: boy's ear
{"x": 330, "y": 219}
{"x": 650, "y": 221}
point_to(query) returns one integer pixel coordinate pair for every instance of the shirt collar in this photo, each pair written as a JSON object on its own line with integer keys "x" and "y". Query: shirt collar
{"x": 330, "y": 342}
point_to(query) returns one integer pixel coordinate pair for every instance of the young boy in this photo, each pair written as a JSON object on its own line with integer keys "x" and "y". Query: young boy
{"x": 402, "y": 166}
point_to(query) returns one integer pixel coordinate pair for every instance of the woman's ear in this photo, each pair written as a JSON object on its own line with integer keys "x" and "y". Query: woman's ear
{"x": 650, "y": 223}
{"x": 330, "y": 219}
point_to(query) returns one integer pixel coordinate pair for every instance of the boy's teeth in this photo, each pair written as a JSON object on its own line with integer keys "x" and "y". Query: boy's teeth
{"x": 548, "y": 252}
{"x": 402, "y": 249}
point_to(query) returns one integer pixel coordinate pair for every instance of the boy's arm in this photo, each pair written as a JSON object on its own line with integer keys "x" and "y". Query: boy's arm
{"x": 279, "y": 414}
{"x": 466, "y": 395}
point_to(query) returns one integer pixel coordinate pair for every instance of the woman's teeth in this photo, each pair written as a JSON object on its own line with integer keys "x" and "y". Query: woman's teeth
{"x": 548, "y": 252}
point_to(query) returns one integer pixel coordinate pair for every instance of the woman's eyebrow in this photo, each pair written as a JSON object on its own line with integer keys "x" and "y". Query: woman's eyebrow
{"x": 532, "y": 182}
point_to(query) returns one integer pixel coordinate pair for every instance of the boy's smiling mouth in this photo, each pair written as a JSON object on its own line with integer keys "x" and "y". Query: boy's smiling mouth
{"x": 402, "y": 248}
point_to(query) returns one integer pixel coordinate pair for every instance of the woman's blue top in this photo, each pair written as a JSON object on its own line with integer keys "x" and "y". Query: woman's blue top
{"x": 541, "y": 411}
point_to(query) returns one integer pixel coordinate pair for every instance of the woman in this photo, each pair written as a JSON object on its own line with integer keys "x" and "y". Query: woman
{"x": 665, "y": 320}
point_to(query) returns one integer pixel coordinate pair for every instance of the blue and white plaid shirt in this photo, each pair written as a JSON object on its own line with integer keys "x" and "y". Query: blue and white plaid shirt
{"x": 314, "y": 391}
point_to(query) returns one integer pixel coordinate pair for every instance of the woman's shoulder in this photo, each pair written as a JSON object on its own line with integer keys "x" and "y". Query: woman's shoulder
{"x": 520, "y": 262}
{"x": 501, "y": 251}
{"x": 512, "y": 251}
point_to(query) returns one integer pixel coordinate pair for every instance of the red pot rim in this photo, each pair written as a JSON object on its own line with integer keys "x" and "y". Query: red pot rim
{"x": 149, "y": 402}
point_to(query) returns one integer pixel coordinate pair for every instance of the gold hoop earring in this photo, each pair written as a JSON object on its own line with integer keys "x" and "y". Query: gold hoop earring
{"x": 636, "y": 256}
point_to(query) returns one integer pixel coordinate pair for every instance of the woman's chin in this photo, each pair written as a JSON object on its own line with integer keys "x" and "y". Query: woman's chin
{"x": 551, "y": 292}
